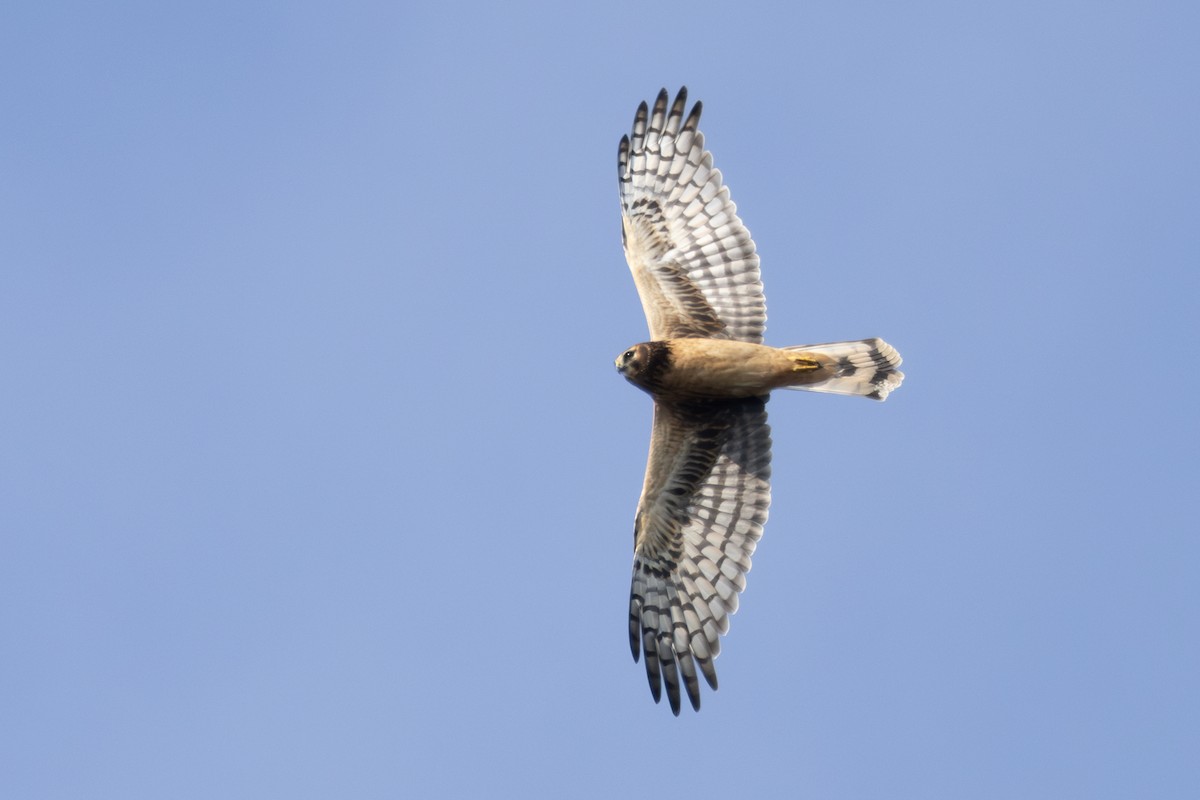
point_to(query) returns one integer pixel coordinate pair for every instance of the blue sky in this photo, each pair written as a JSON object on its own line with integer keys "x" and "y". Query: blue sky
{"x": 318, "y": 480}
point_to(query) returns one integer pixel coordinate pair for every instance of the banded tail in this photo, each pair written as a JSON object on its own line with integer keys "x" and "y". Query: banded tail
{"x": 867, "y": 368}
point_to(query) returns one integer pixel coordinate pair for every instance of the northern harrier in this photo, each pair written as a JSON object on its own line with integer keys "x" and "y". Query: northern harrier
{"x": 705, "y": 497}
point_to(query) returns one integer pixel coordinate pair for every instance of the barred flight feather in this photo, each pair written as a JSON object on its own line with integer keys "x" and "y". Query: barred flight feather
{"x": 695, "y": 535}
{"x": 692, "y": 259}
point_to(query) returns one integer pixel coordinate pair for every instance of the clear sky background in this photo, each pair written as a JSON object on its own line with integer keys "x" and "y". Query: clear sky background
{"x": 317, "y": 479}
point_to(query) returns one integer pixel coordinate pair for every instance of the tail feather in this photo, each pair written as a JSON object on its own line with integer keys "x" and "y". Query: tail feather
{"x": 867, "y": 368}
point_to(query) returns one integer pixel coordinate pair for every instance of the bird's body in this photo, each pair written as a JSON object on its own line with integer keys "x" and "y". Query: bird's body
{"x": 706, "y": 492}
{"x": 718, "y": 369}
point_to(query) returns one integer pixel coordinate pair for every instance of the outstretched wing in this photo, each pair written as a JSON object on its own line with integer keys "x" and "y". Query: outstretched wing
{"x": 700, "y": 517}
{"x": 692, "y": 259}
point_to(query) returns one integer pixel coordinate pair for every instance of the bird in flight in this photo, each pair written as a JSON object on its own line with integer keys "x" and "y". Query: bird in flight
{"x": 706, "y": 492}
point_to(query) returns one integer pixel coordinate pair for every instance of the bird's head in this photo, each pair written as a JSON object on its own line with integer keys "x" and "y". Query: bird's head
{"x": 643, "y": 364}
{"x": 628, "y": 362}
